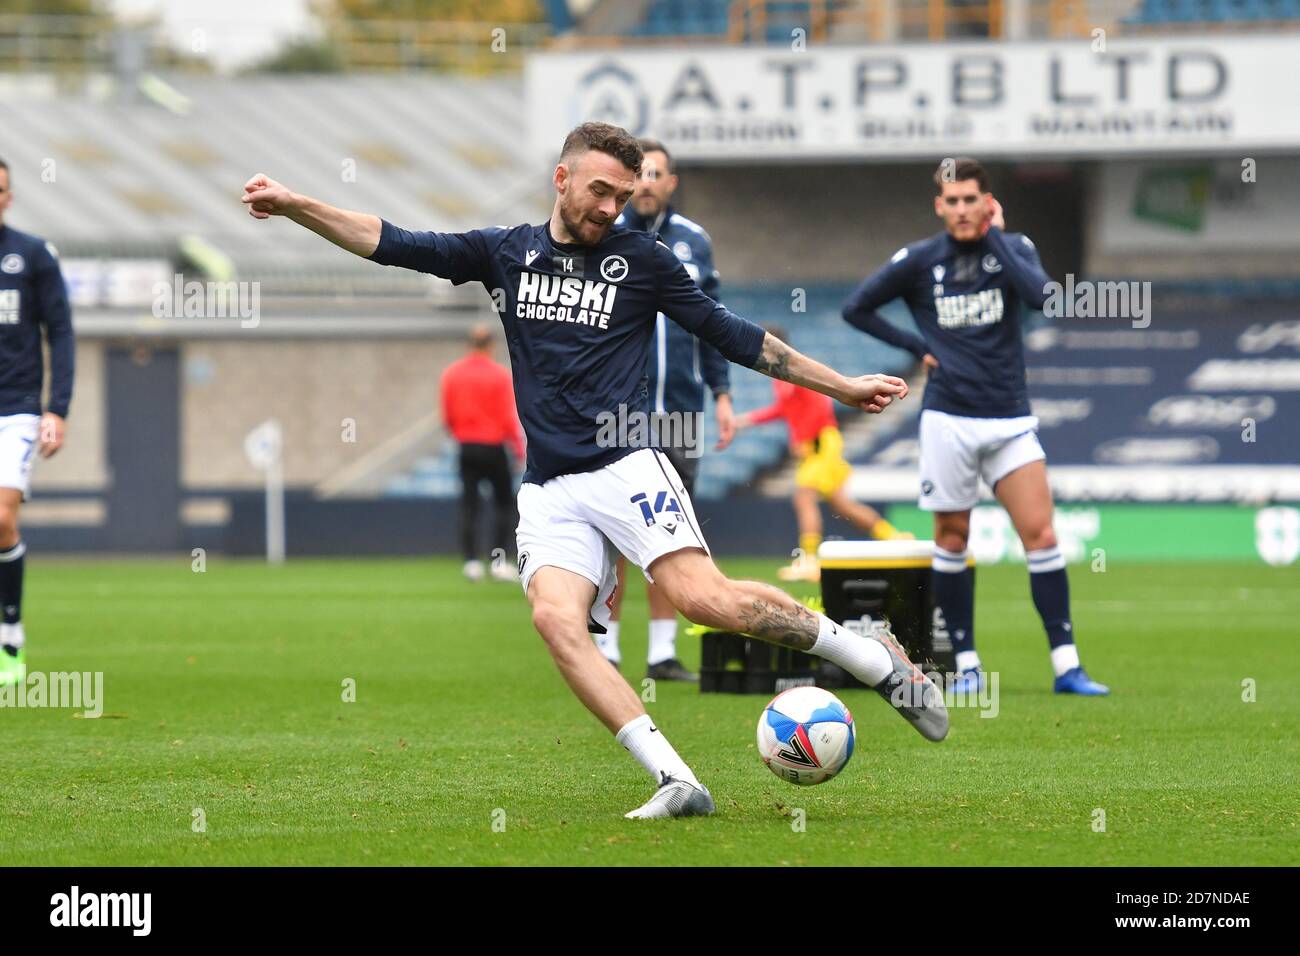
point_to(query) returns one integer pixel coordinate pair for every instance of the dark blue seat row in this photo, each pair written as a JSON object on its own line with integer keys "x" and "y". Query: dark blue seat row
{"x": 684, "y": 17}
{"x": 711, "y": 17}
{"x": 1214, "y": 11}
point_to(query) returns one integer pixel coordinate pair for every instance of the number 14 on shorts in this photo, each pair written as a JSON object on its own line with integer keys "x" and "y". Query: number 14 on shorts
{"x": 663, "y": 503}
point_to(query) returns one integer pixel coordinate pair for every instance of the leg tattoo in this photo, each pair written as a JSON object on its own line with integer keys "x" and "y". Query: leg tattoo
{"x": 765, "y": 618}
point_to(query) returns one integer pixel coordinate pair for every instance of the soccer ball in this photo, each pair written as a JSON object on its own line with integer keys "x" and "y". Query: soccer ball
{"x": 805, "y": 735}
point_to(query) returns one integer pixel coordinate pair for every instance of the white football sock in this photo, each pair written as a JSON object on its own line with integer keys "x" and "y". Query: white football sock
{"x": 663, "y": 640}
{"x": 11, "y": 635}
{"x": 653, "y": 751}
{"x": 1064, "y": 658}
{"x": 1045, "y": 559}
{"x": 967, "y": 661}
{"x": 864, "y": 658}
{"x": 607, "y": 643}
{"x": 949, "y": 562}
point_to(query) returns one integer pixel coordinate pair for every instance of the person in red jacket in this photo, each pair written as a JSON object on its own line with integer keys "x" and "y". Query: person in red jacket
{"x": 478, "y": 408}
{"x": 816, "y": 441}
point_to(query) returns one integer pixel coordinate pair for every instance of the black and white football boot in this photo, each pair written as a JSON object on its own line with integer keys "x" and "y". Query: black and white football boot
{"x": 908, "y": 690}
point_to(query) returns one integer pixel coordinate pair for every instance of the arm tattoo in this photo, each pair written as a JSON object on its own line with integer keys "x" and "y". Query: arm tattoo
{"x": 775, "y": 624}
{"x": 774, "y": 359}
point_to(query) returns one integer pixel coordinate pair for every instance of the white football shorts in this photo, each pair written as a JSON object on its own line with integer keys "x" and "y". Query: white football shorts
{"x": 18, "y": 435}
{"x": 636, "y": 505}
{"x": 957, "y": 451}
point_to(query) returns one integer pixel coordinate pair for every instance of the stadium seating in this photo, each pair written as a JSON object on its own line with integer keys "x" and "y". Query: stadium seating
{"x": 421, "y": 150}
{"x": 710, "y": 18}
{"x": 820, "y": 333}
{"x": 1148, "y": 411}
{"x": 684, "y": 17}
{"x": 1213, "y": 11}
{"x": 664, "y": 18}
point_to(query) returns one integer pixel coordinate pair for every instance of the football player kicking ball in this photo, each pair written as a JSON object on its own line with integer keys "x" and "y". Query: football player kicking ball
{"x": 964, "y": 287}
{"x": 823, "y": 472}
{"x": 579, "y": 310}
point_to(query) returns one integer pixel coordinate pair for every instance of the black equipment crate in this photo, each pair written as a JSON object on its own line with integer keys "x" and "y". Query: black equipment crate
{"x": 733, "y": 663}
{"x": 880, "y": 579}
{"x": 890, "y": 580}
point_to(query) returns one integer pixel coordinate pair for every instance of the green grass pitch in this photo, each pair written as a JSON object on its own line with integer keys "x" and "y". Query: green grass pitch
{"x": 223, "y": 693}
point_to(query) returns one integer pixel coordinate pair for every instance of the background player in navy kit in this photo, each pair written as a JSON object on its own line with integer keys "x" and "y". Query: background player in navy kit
{"x": 578, "y": 303}
{"x": 965, "y": 288}
{"x": 32, "y": 297}
{"x": 680, "y": 367}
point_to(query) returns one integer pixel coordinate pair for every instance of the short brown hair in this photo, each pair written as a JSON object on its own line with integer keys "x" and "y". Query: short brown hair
{"x": 959, "y": 170}
{"x": 604, "y": 138}
{"x": 480, "y": 335}
{"x": 649, "y": 145}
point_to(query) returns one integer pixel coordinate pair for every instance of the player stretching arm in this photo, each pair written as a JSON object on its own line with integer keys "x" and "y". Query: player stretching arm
{"x": 579, "y": 306}
{"x": 964, "y": 287}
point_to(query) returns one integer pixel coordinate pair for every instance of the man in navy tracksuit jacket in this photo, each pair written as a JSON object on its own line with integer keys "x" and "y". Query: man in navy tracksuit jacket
{"x": 33, "y": 301}
{"x": 679, "y": 368}
{"x": 965, "y": 287}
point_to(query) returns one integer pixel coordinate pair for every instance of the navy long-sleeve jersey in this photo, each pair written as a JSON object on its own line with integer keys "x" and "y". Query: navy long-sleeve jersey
{"x": 578, "y": 322}
{"x": 966, "y": 299}
{"x": 680, "y": 365}
{"x": 32, "y": 296}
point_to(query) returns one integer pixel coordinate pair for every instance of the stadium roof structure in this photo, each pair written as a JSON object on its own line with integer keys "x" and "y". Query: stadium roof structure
{"x": 137, "y": 174}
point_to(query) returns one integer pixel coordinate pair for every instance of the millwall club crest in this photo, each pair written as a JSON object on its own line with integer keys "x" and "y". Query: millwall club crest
{"x": 991, "y": 264}
{"x": 12, "y": 264}
{"x": 613, "y": 269}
